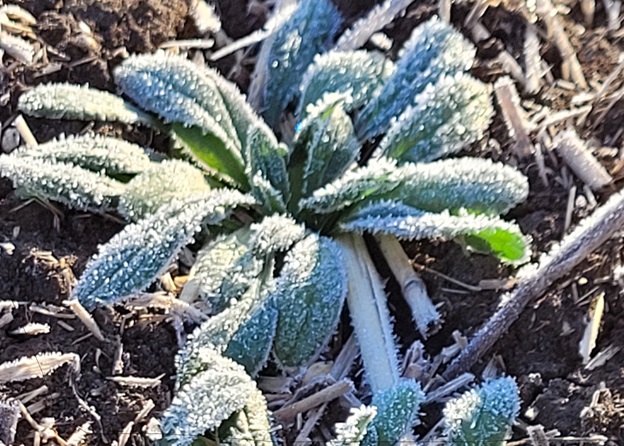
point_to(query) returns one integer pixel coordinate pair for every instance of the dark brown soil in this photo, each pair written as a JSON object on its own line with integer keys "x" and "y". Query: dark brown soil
{"x": 541, "y": 350}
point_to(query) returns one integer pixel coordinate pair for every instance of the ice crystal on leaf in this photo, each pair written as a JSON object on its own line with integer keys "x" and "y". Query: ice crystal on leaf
{"x": 483, "y": 416}
{"x": 353, "y": 430}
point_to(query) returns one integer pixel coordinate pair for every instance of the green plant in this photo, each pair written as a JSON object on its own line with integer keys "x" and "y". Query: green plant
{"x": 281, "y": 224}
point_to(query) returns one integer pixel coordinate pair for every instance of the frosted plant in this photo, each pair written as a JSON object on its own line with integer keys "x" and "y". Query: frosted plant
{"x": 280, "y": 223}
{"x": 483, "y": 416}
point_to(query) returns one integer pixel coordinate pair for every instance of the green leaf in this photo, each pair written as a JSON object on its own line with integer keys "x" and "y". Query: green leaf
{"x": 483, "y": 416}
{"x": 179, "y": 91}
{"x": 210, "y": 398}
{"x": 210, "y": 151}
{"x": 328, "y": 140}
{"x": 444, "y": 119}
{"x": 158, "y": 185}
{"x": 140, "y": 253}
{"x": 310, "y": 292}
{"x": 249, "y": 426}
{"x": 67, "y": 101}
{"x": 114, "y": 157}
{"x": 434, "y": 49}
{"x": 68, "y": 184}
{"x": 397, "y": 411}
{"x": 309, "y": 31}
{"x": 486, "y": 233}
{"x": 357, "y": 74}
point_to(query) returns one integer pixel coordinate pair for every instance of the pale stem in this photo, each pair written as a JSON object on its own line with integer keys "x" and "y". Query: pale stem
{"x": 369, "y": 314}
{"x": 424, "y": 312}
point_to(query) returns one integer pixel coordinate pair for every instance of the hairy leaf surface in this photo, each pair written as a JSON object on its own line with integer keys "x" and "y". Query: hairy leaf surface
{"x": 92, "y": 152}
{"x": 292, "y": 48}
{"x": 68, "y": 184}
{"x": 248, "y": 427}
{"x": 445, "y": 118}
{"x": 397, "y": 410}
{"x": 310, "y": 292}
{"x": 180, "y": 91}
{"x": 207, "y": 400}
{"x": 158, "y": 185}
{"x": 483, "y": 416}
{"x": 329, "y": 141}
{"x": 136, "y": 256}
{"x": 67, "y": 101}
{"x": 434, "y": 49}
{"x": 486, "y": 233}
{"x": 357, "y": 74}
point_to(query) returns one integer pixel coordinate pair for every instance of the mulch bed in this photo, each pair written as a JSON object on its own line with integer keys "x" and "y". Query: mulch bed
{"x": 541, "y": 350}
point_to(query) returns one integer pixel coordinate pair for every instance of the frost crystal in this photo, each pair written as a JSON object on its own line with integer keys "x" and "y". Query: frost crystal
{"x": 137, "y": 255}
{"x": 310, "y": 292}
{"x": 445, "y": 118}
{"x": 356, "y": 73}
{"x": 210, "y": 398}
{"x": 248, "y": 427}
{"x": 66, "y": 183}
{"x": 291, "y": 50}
{"x": 434, "y": 49}
{"x": 179, "y": 91}
{"x": 68, "y": 101}
{"x": 158, "y": 185}
{"x": 327, "y": 139}
{"x": 92, "y": 152}
{"x": 353, "y": 430}
{"x": 483, "y": 416}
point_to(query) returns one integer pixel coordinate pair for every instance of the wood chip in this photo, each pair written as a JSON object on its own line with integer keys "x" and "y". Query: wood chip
{"x": 32, "y": 329}
{"x": 579, "y": 158}
{"x": 37, "y": 366}
{"x": 602, "y": 357}
{"x": 80, "y": 435}
{"x": 515, "y": 117}
{"x": 289, "y": 412}
{"x": 594, "y": 317}
{"x": 85, "y": 318}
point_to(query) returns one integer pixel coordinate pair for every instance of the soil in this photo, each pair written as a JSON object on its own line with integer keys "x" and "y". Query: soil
{"x": 541, "y": 349}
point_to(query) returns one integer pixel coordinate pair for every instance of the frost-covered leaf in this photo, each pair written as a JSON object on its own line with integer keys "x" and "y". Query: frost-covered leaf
{"x": 267, "y": 159}
{"x": 9, "y": 416}
{"x": 272, "y": 199}
{"x": 487, "y": 234}
{"x": 310, "y": 292}
{"x": 435, "y": 48}
{"x": 71, "y": 185}
{"x": 356, "y": 73}
{"x": 445, "y": 118}
{"x": 158, "y": 185}
{"x": 248, "y": 427}
{"x": 478, "y": 185}
{"x": 243, "y": 332}
{"x": 354, "y": 187}
{"x": 137, "y": 255}
{"x": 378, "y": 17}
{"x": 227, "y": 266}
{"x": 353, "y": 430}
{"x": 309, "y": 31}
{"x": 208, "y": 399}
{"x": 397, "y": 411}
{"x": 483, "y": 416}
{"x": 179, "y": 91}
{"x": 328, "y": 140}
{"x": 92, "y": 152}
{"x": 67, "y": 101}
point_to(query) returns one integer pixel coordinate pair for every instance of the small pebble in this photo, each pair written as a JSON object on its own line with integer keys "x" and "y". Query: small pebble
{"x": 10, "y": 140}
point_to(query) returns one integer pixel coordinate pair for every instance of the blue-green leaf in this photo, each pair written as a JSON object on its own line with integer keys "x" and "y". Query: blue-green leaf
{"x": 357, "y": 74}
{"x": 136, "y": 256}
{"x": 310, "y": 293}
{"x": 309, "y": 31}
{"x": 445, "y": 118}
{"x": 434, "y": 49}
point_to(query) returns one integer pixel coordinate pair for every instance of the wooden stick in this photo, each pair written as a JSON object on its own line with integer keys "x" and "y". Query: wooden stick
{"x": 535, "y": 279}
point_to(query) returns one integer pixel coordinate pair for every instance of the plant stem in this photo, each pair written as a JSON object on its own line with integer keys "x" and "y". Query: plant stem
{"x": 424, "y": 313}
{"x": 535, "y": 279}
{"x": 369, "y": 314}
